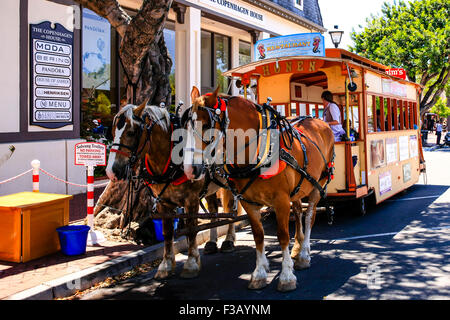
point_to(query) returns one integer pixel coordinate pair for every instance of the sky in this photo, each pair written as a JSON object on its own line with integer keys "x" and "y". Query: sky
{"x": 348, "y": 14}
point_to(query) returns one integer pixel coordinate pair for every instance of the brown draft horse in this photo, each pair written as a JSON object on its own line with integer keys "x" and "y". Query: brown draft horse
{"x": 133, "y": 138}
{"x": 274, "y": 192}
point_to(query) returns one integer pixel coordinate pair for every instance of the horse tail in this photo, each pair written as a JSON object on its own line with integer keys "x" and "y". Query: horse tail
{"x": 7, "y": 155}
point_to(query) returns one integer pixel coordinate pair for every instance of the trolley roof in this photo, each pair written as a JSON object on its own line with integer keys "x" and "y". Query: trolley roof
{"x": 332, "y": 55}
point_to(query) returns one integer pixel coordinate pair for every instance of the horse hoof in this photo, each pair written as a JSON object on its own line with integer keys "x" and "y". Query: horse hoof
{"x": 285, "y": 286}
{"x": 210, "y": 248}
{"x": 227, "y": 246}
{"x": 189, "y": 274}
{"x": 301, "y": 264}
{"x": 257, "y": 284}
{"x": 161, "y": 275}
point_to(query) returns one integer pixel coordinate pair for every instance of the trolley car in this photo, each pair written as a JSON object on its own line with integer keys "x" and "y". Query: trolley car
{"x": 382, "y": 153}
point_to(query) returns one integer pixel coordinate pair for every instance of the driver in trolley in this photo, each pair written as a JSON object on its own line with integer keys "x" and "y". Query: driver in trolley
{"x": 332, "y": 115}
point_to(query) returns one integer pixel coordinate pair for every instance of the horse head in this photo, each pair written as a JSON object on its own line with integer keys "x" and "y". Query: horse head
{"x": 204, "y": 129}
{"x": 132, "y": 131}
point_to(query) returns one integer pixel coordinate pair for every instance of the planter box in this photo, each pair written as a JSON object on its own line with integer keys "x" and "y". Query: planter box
{"x": 28, "y": 222}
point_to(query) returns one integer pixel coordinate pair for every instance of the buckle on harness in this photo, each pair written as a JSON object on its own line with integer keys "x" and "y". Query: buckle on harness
{"x": 236, "y": 198}
{"x": 155, "y": 203}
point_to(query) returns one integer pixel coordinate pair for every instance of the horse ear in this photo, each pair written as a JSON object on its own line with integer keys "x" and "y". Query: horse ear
{"x": 138, "y": 110}
{"x": 194, "y": 94}
{"x": 212, "y": 99}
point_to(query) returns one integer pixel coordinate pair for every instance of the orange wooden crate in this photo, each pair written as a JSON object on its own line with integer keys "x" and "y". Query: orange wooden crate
{"x": 28, "y": 222}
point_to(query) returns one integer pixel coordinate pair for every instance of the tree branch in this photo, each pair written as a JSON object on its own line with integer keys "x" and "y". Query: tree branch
{"x": 437, "y": 83}
{"x": 427, "y": 105}
{"x": 110, "y": 10}
{"x": 144, "y": 29}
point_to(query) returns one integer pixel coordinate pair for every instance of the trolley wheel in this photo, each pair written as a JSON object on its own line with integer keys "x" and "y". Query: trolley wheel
{"x": 362, "y": 206}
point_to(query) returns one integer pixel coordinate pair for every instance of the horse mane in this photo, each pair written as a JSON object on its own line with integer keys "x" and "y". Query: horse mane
{"x": 155, "y": 113}
{"x": 159, "y": 115}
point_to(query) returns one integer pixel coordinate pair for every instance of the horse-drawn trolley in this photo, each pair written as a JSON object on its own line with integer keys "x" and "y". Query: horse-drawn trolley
{"x": 380, "y": 153}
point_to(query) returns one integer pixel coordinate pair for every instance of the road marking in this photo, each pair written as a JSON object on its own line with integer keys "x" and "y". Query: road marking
{"x": 383, "y": 234}
{"x": 415, "y": 198}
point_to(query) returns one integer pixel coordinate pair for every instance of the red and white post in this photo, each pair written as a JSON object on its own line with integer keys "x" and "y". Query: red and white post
{"x": 94, "y": 237}
{"x": 90, "y": 196}
{"x": 35, "y": 164}
{"x": 91, "y": 154}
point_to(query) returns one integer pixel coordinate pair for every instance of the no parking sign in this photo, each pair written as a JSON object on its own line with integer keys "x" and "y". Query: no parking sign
{"x": 90, "y": 154}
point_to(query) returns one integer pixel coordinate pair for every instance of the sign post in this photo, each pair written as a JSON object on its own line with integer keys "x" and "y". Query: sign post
{"x": 91, "y": 154}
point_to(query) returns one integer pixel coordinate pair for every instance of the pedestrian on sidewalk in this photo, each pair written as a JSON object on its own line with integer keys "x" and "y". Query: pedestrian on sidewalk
{"x": 438, "y": 132}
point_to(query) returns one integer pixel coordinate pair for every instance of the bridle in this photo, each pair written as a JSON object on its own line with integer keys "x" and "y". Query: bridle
{"x": 134, "y": 151}
{"x": 217, "y": 115}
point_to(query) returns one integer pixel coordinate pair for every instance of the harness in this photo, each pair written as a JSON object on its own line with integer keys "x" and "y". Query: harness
{"x": 270, "y": 120}
{"x": 171, "y": 174}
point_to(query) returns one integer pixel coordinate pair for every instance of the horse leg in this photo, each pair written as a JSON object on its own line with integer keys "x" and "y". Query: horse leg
{"x": 299, "y": 235}
{"x": 259, "y": 275}
{"x": 228, "y": 201}
{"x": 304, "y": 259}
{"x": 213, "y": 206}
{"x": 167, "y": 266}
{"x": 287, "y": 280}
{"x": 192, "y": 265}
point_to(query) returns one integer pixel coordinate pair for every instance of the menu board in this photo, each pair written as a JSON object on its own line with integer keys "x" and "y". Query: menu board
{"x": 406, "y": 172}
{"x": 385, "y": 180}
{"x": 403, "y": 147}
{"x": 377, "y": 155}
{"x": 413, "y": 146}
{"x": 391, "y": 150}
{"x": 51, "y": 65}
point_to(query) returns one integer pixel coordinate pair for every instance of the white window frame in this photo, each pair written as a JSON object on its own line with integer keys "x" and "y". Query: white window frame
{"x": 298, "y": 6}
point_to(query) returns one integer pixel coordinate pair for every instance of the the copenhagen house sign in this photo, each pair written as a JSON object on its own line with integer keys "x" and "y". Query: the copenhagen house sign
{"x": 51, "y": 65}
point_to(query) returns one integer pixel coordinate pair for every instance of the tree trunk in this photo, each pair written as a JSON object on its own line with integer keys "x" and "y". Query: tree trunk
{"x": 147, "y": 64}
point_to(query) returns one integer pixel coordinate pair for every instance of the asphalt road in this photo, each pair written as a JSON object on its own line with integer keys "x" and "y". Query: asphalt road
{"x": 398, "y": 250}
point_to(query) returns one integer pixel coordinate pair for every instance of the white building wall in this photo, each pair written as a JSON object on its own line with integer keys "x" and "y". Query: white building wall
{"x": 56, "y": 157}
{"x": 187, "y": 55}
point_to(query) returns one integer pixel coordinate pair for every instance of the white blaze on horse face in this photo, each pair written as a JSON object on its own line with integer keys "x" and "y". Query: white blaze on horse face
{"x": 189, "y": 153}
{"x": 112, "y": 155}
{"x": 192, "y": 155}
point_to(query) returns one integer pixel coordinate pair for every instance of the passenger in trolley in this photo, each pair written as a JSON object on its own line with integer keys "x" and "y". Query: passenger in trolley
{"x": 332, "y": 115}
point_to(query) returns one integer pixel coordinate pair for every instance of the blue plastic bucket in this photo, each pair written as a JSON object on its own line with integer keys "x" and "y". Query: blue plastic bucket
{"x": 73, "y": 239}
{"x": 159, "y": 228}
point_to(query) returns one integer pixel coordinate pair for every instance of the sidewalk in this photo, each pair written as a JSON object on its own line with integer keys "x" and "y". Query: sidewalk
{"x": 431, "y": 139}
{"x": 57, "y": 275}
